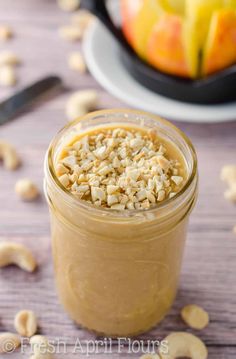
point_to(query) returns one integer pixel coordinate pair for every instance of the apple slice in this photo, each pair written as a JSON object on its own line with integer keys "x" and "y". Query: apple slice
{"x": 177, "y": 6}
{"x": 167, "y": 46}
{"x": 230, "y": 4}
{"x": 200, "y": 13}
{"x": 220, "y": 49}
{"x": 129, "y": 11}
{"x": 191, "y": 48}
{"x": 146, "y": 19}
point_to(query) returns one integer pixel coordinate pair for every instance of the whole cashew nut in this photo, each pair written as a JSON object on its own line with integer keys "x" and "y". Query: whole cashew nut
{"x": 25, "y": 323}
{"x": 195, "y": 317}
{"x": 26, "y": 189}
{"x": 18, "y": 254}
{"x": 80, "y": 103}
{"x": 228, "y": 174}
{"x": 41, "y": 347}
{"x": 68, "y": 5}
{"x": 183, "y": 344}
{"x": 9, "y": 342}
{"x": 9, "y": 156}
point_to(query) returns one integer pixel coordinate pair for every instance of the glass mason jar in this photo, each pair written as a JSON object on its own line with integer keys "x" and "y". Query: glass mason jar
{"x": 117, "y": 272}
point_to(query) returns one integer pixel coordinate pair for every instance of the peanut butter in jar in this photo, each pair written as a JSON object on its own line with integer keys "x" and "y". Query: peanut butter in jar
{"x": 120, "y": 186}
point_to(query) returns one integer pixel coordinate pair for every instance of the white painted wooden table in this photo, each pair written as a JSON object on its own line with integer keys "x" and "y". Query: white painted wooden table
{"x": 209, "y": 270}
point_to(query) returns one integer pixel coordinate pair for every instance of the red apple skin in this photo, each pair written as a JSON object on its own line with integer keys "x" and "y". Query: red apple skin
{"x": 220, "y": 50}
{"x": 166, "y": 50}
{"x": 129, "y": 11}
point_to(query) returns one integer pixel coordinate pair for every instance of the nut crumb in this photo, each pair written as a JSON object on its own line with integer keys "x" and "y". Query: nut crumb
{"x": 64, "y": 179}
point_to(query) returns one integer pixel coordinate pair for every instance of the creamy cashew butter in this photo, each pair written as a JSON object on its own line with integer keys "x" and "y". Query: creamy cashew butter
{"x": 120, "y": 186}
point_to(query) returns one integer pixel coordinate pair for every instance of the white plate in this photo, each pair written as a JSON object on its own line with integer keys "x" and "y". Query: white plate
{"x": 102, "y": 54}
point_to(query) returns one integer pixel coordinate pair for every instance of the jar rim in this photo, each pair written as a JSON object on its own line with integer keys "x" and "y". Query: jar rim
{"x": 107, "y": 211}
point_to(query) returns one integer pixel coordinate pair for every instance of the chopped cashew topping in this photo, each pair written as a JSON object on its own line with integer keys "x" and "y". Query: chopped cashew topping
{"x": 9, "y": 156}
{"x": 119, "y": 168}
{"x": 18, "y": 254}
{"x": 25, "y": 323}
{"x": 183, "y": 345}
{"x": 195, "y": 317}
{"x": 26, "y": 189}
{"x": 80, "y": 103}
{"x": 76, "y": 62}
{"x": 9, "y": 342}
{"x": 177, "y": 180}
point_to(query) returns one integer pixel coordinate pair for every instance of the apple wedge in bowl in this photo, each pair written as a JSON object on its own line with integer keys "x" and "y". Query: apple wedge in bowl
{"x": 182, "y": 49}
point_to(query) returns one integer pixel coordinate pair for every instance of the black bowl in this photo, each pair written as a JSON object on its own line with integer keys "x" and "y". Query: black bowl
{"x": 214, "y": 89}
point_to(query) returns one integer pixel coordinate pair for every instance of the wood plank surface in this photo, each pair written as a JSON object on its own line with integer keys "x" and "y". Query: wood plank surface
{"x": 209, "y": 270}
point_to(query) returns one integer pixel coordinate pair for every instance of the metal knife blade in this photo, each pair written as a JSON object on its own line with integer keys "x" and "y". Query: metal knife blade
{"x": 13, "y": 105}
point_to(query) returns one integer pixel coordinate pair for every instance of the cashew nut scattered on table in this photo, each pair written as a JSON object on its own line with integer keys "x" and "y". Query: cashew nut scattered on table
{"x": 41, "y": 347}
{"x": 70, "y": 33}
{"x": 195, "y": 317}
{"x": 7, "y": 76}
{"x": 17, "y": 254}
{"x": 68, "y": 5}
{"x": 26, "y": 323}
{"x": 228, "y": 175}
{"x": 9, "y": 156}
{"x": 26, "y": 189}
{"x": 82, "y": 19}
{"x": 9, "y": 342}
{"x": 230, "y": 193}
{"x": 76, "y": 62}
{"x": 80, "y": 103}
{"x": 5, "y": 32}
{"x": 8, "y": 58}
{"x": 181, "y": 344}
